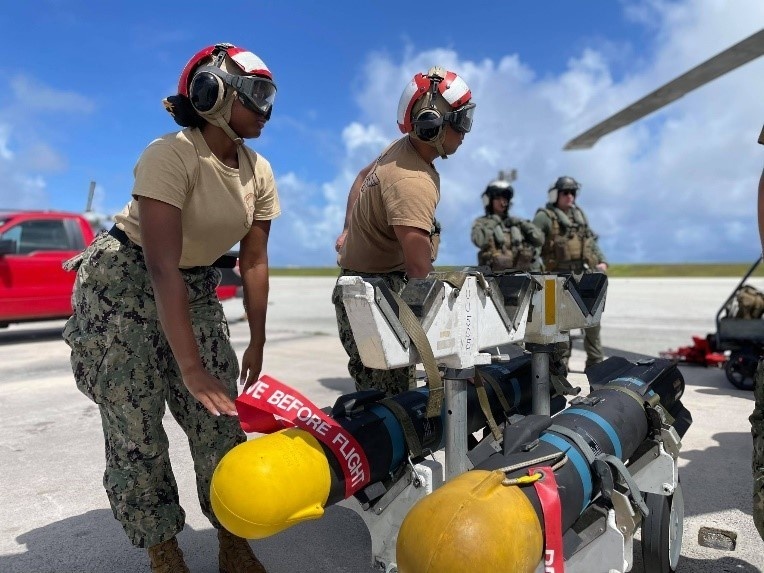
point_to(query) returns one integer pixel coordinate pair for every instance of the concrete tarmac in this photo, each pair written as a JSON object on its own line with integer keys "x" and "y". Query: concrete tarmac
{"x": 55, "y": 518}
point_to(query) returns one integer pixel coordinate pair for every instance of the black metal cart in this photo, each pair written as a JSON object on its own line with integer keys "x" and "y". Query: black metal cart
{"x": 742, "y": 337}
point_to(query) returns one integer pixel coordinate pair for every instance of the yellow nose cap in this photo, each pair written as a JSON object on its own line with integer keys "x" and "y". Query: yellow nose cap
{"x": 472, "y": 523}
{"x": 270, "y": 483}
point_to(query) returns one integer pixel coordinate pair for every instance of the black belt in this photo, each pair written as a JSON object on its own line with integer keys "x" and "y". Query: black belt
{"x": 571, "y": 266}
{"x": 350, "y": 272}
{"x": 224, "y": 262}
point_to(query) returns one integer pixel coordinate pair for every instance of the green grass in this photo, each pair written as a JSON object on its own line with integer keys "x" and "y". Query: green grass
{"x": 616, "y": 270}
{"x": 685, "y": 270}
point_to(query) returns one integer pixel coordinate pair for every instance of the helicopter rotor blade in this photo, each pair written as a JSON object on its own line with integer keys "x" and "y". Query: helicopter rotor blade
{"x": 733, "y": 57}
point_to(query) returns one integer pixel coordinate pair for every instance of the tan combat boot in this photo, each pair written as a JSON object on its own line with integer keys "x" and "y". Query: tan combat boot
{"x": 166, "y": 557}
{"x": 236, "y": 556}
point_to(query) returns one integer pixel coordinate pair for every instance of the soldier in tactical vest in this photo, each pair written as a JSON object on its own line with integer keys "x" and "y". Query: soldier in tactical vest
{"x": 505, "y": 242}
{"x": 570, "y": 245}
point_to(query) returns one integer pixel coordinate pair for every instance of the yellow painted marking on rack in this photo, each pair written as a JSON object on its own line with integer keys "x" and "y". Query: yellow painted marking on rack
{"x": 550, "y": 301}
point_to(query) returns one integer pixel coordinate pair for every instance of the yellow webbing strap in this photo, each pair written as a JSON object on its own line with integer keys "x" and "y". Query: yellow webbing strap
{"x": 628, "y": 391}
{"x": 409, "y": 433}
{"x": 485, "y": 406}
{"x": 456, "y": 278}
{"x": 653, "y": 401}
{"x": 562, "y": 387}
{"x": 419, "y": 338}
{"x": 497, "y": 390}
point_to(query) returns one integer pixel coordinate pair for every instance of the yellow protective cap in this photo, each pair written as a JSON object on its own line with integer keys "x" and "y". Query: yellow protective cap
{"x": 270, "y": 483}
{"x": 472, "y": 523}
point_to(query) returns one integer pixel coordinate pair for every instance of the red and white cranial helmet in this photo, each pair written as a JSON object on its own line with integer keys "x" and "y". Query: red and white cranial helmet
{"x": 447, "y": 84}
{"x": 213, "y": 79}
{"x": 247, "y": 63}
{"x": 214, "y": 74}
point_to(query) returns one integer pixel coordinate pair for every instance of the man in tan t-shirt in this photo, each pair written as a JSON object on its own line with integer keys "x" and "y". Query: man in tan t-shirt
{"x": 390, "y": 228}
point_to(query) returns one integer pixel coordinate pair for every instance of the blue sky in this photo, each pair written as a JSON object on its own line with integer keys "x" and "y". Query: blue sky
{"x": 82, "y": 83}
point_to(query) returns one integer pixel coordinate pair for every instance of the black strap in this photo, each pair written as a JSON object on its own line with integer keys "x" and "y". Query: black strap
{"x": 633, "y": 489}
{"x": 584, "y": 448}
{"x": 409, "y": 432}
{"x": 224, "y": 262}
{"x": 122, "y": 237}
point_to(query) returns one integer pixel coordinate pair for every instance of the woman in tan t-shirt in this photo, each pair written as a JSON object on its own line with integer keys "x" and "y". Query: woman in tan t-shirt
{"x": 148, "y": 329}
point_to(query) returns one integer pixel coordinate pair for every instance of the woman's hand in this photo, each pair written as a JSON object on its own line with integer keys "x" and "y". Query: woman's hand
{"x": 251, "y": 365}
{"x": 210, "y": 392}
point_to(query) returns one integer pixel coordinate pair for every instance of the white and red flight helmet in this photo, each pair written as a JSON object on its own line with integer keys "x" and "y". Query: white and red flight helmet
{"x": 430, "y": 101}
{"x": 218, "y": 74}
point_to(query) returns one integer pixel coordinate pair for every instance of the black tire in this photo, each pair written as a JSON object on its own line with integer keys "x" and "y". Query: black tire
{"x": 662, "y": 532}
{"x": 738, "y": 372}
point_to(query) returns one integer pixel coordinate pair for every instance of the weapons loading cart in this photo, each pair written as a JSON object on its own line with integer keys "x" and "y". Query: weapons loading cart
{"x": 740, "y": 331}
{"x": 480, "y": 315}
{"x": 739, "y": 338}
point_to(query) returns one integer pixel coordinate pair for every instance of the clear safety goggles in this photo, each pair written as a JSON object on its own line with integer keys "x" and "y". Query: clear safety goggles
{"x": 256, "y": 93}
{"x": 461, "y": 119}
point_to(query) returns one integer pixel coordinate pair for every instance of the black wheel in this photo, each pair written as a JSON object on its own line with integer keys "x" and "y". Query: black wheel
{"x": 739, "y": 371}
{"x": 662, "y": 532}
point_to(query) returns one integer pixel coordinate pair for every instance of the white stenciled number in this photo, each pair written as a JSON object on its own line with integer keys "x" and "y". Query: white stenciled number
{"x": 549, "y": 561}
{"x": 468, "y": 321}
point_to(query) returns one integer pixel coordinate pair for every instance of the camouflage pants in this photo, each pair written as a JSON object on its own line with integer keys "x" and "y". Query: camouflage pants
{"x": 392, "y": 381}
{"x": 757, "y": 463}
{"x": 592, "y": 346}
{"x": 121, "y": 360}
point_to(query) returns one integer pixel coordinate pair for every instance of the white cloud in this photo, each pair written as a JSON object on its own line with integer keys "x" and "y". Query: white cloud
{"x": 312, "y": 216}
{"x": 18, "y": 188}
{"x": 676, "y": 186}
{"x": 25, "y": 159}
{"x": 5, "y": 152}
{"x": 29, "y": 190}
{"x": 42, "y": 158}
{"x": 363, "y": 138}
{"x": 36, "y": 97}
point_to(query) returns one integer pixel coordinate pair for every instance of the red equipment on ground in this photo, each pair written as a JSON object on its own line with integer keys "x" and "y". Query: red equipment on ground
{"x": 699, "y": 353}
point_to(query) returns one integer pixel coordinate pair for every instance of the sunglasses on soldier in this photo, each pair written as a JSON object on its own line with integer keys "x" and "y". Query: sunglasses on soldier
{"x": 568, "y": 192}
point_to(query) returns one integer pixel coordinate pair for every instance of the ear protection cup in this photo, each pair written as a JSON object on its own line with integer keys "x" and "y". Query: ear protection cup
{"x": 428, "y": 124}
{"x": 207, "y": 91}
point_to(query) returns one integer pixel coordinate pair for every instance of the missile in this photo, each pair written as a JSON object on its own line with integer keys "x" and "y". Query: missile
{"x": 270, "y": 483}
{"x": 625, "y": 411}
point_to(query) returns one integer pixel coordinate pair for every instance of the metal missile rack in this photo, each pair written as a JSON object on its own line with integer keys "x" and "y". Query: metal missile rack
{"x": 467, "y": 318}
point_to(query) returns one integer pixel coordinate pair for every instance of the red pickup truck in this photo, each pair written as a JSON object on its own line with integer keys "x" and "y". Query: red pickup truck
{"x": 33, "y": 245}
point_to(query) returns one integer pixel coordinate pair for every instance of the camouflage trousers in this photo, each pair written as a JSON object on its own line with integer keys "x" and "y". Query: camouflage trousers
{"x": 757, "y": 462}
{"x": 121, "y": 361}
{"x": 392, "y": 381}
{"x": 592, "y": 346}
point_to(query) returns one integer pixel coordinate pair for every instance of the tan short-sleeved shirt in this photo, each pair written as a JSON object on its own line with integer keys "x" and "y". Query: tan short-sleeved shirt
{"x": 218, "y": 203}
{"x": 401, "y": 189}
